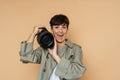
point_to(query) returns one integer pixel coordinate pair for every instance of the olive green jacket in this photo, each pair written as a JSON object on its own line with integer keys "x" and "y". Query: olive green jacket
{"x": 70, "y": 67}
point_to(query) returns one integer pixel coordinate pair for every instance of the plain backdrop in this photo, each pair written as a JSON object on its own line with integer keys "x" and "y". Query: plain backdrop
{"x": 94, "y": 24}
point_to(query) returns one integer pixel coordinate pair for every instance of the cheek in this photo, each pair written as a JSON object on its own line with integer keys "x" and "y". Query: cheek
{"x": 65, "y": 31}
{"x": 54, "y": 31}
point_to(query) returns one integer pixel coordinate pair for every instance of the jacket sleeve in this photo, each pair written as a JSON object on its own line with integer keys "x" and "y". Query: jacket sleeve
{"x": 28, "y": 55}
{"x": 72, "y": 67}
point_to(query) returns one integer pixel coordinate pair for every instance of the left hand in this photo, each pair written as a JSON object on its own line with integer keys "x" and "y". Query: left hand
{"x": 53, "y": 52}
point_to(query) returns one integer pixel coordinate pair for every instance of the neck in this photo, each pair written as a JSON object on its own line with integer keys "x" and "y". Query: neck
{"x": 61, "y": 44}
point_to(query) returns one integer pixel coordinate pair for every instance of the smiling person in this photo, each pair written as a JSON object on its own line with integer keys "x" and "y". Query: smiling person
{"x": 63, "y": 61}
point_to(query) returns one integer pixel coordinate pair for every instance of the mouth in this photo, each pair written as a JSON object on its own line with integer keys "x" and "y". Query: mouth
{"x": 60, "y": 35}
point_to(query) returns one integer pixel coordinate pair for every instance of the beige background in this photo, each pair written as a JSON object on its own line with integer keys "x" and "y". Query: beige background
{"x": 94, "y": 24}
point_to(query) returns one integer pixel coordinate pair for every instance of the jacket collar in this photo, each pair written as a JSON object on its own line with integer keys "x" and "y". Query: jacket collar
{"x": 69, "y": 43}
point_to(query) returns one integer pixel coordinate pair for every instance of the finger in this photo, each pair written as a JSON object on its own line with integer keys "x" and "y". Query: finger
{"x": 48, "y": 49}
{"x": 39, "y": 30}
{"x": 55, "y": 42}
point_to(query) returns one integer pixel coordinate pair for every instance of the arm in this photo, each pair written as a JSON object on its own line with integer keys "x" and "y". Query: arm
{"x": 53, "y": 52}
{"x": 72, "y": 67}
{"x": 27, "y": 54}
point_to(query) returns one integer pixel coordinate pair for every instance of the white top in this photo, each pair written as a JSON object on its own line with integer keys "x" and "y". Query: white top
{"x": 54, "y": 76}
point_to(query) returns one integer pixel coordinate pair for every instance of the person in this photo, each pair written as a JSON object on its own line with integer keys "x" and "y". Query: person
{"x": 63, "y": 61}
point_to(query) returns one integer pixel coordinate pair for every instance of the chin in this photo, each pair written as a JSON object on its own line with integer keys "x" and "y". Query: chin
{"x": 60, "y": 41}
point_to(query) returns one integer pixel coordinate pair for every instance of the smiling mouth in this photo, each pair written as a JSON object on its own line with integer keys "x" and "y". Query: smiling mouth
{"x": 61, "y": 35}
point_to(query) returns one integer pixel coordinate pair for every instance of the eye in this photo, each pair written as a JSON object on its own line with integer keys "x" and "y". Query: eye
{"x": 56, "y": 27}
{"x": 64, "y": 26}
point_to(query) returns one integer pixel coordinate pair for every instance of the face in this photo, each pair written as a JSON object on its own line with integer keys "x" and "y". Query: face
{"x": 60, "y": 32}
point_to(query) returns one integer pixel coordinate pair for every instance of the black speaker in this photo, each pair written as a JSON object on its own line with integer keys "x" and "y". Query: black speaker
{"x": 45, "y": 39}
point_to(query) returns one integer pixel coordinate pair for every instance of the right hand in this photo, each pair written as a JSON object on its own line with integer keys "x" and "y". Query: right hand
{"x": 37, "y": 29}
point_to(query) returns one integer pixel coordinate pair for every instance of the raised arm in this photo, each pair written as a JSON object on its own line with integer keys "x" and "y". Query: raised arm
{"x": 27, "y": 54}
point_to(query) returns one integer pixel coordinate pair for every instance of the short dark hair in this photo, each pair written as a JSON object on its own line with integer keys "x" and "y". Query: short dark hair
{"x": 58, "y": 20}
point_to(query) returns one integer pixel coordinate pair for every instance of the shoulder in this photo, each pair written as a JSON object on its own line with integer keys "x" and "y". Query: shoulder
{"x": 72, "y": 45}
{"x": 75, "y": 48}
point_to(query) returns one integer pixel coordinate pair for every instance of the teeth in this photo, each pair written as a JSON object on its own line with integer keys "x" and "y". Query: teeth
{"x": 60, "y": 35}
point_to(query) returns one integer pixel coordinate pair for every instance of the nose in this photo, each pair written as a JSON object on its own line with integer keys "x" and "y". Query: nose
{"x": 60, "y": 30}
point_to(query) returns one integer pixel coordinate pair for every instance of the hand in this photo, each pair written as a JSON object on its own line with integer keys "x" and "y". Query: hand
{"x": 37, "y": 29}
{"x": 53, "y": 52}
